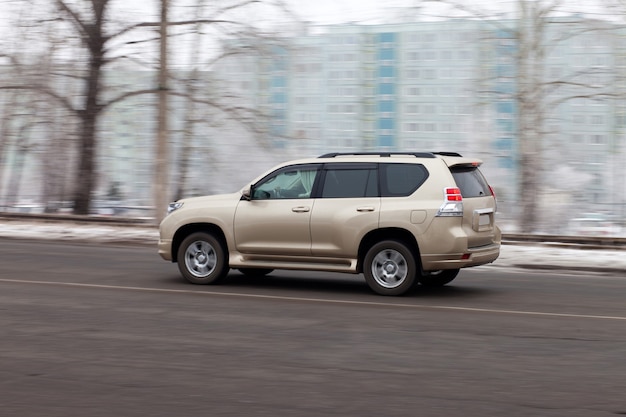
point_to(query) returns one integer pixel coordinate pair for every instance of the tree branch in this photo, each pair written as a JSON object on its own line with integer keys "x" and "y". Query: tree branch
{"x": 43, "y": 90}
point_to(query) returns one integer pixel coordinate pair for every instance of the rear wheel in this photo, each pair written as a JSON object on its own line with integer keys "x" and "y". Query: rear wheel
{"x": 202, "y": 259}
{"x": 435, "y": 279}
{"x": 255, "y": 272}
{"x": 389, "y": 268}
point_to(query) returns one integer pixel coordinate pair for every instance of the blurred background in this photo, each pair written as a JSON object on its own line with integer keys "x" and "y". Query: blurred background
{"x": 114, "y": 108}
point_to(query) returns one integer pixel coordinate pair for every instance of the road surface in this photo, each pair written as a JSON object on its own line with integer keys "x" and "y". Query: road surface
{"x": 97, "y": 330}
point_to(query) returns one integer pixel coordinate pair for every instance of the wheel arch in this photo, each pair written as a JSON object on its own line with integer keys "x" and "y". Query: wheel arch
{"x": 393, "y": 233}
{"x": 188, "y": 229}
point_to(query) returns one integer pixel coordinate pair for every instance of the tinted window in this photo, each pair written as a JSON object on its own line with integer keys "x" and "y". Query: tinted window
{"x": 471, "y": 182}
{"x": 350, "y": 183}
{"x": 401, "y": 180}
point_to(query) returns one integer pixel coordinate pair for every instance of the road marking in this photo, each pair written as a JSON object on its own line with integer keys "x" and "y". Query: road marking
{"x": 318, "y": 300}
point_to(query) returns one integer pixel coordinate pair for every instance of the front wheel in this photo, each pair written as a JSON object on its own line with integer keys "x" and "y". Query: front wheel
{"x": 389, "y": 268}
{"x": 436, "y": 279}
{"x": 202, "y": 259}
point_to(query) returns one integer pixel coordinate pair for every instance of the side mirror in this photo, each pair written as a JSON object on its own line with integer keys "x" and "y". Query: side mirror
{"x": 246, "y": 193}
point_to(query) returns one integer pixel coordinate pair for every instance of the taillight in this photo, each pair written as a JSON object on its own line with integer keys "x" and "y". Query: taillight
{"x": 493, "y": 193}
{"x": 452, "y": 203}
{"x": 453, "y": 194}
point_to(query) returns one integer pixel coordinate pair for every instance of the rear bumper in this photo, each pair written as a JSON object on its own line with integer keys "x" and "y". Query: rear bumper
{"x": 473, "y": 257}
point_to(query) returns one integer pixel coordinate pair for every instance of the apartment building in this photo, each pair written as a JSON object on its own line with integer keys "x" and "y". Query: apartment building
{"x": 451, "y": 85}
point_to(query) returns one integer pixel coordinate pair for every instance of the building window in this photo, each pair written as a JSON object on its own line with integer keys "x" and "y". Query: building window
{"x": 413, "y": 91}
{"x": 598, "y": 139}
{"x": 413, "y": 56}
{"x": 430, "y": 74}
{"x": 446, "y": 55}
{"x": 411, "y": 127}
{"x": 413, "y": 74}
{"x": 412, "y": 109}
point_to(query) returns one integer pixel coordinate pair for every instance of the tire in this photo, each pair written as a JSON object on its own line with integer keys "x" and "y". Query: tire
{"x": 255, "y": 272}
{"x": 389, "y": 268}
{"x": 436, "y": 279}
{"x": 202, "y": 259}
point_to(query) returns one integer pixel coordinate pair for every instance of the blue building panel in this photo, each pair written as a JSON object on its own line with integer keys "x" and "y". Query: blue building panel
{"x": 386, "y": 89}
{"x": 387, "y": 37}
{"x": 279, "y": 98}
{"x": 386, "y": 71}
{"x": 386, "y": 141}
{"x": 386, "y": 54}
{"x": 504, "y": 144}
{"x": 505, "y": 107}
{"x": 279, "y": 82}
{"x": 506, "y": 163}
{"x": 386, "y": 106}
{"x": 505, "y": 125}
{"x": 385, "y": 124}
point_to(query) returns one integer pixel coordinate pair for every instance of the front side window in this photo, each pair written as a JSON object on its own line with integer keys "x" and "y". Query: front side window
{"x": 289, "y": 182}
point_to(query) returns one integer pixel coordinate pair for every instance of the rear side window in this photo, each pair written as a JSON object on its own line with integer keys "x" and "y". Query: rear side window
{"x": 401, "y": 180}
{"x": 354, "y": 182}
{"x": 471, "y": 182}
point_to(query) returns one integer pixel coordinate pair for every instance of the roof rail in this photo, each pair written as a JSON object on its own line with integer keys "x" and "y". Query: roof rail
{"x": 448, "y": 153}
{"x": 383, "y": 154}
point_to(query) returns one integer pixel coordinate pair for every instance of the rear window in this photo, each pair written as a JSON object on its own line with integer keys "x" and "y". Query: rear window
{"x": 471, "y": 182}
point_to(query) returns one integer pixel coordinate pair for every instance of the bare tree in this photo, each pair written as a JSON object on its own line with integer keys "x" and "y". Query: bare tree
{"x": 215, "y": 26}
{"x": 88, "y": 21}
{"x": 536, "y": 28}
{"x": 103, "y": 41}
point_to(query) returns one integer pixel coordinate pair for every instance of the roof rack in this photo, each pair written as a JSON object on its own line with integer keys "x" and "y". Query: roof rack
{"x": 383, "y": 154}
{"x": 448, "y": 154}
{"x": 388, "y": 154}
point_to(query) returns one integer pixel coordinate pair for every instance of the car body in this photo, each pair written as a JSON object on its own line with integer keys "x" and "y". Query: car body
{"x": 401, "y": 219}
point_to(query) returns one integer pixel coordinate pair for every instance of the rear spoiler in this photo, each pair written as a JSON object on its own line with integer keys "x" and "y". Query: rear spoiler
{"x": 462, "y": 162}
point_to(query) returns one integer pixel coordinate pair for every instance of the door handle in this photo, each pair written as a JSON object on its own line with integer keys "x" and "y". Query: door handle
{"x": 363, "y": 209}
{"x": 300, "y": 209}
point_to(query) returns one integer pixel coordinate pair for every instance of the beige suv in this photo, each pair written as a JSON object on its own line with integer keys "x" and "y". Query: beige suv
{"x": 401, "y": 219}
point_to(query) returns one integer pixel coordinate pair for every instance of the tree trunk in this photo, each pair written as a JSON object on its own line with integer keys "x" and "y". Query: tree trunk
{"x": 530, "y": 62}
{"x": 89, "y": 115}
{"x": 191, "y": 118}
{"x": 161, "y": 177}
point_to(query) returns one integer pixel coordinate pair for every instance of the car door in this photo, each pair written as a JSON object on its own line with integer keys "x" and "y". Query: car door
{"x": 346, "y": 208}
{"x": 276, "y": 219}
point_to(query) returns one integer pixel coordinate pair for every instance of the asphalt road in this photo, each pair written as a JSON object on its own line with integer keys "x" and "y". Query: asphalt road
{"x": 93, "y": 330}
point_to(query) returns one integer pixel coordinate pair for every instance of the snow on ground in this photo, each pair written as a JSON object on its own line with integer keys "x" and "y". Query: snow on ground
{"x": 530, "y": 256}
{"x": 80, "y": 232}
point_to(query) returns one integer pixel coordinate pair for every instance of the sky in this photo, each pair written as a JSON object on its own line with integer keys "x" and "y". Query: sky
{"x": 316, "y": 11}
{"x": 339, "y": 11}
